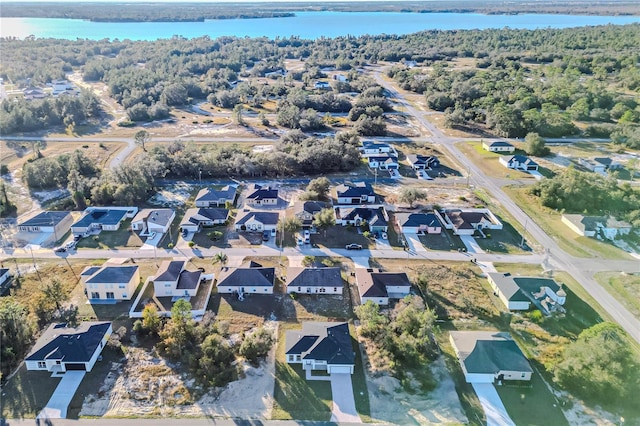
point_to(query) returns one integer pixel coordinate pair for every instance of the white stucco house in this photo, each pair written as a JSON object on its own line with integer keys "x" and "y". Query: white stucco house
{"x": 173, "y": 280}
{"x": 110, "y": 283}
{"x": 251, "y": 277}
{"x": 323, "y": 346}
{"x": 314, "y": 280}
{"x": 148, "y": 221}
{"x": 466, "y": 221}
{"x": 498, "y": 146}
{"x": 257, "y": 221}
{"x": 378, "y": 287}
{"x": 489, "y": 356}
{"x": 61, "y": 348}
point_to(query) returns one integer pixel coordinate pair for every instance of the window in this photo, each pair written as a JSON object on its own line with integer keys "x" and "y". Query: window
{"x": 124, "y": 295}
{"x": 523, "y": 375}
{"x": 335, "y": 289}
{"x": 299, "y": 289}
{"x": 95, "y": 295}
{"x": 323, "y": 290}
{"x": 58, "y": 362}
{"x": 42, "y": 364}
{"x": 110, "y": 295}
{"x": 121, "y": 286}
{"x": 298, "y": 357}
{"x": 168, "y": 285}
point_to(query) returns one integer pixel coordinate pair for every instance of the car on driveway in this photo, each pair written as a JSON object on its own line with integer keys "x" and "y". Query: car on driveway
{"x": 60, "y": 250}
{"x": 266, "y": 235}
{"x": 353, "y": 247}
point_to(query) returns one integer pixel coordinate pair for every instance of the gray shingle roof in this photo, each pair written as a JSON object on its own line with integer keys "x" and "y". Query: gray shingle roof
{"x": 501, "y": 144}
{"x": 248, "y": 276}
{"x": 258, "y": 192}
{"x": 314, "y": 277}
{"x": 101, "y": 216}
{"x": 197, "y": 215}
{"x": 330, "y": 342}
{"x": 161, "y": 217}
{"x": 375, "y": 217}
{"x": 417, "y": 219}
{"x": 113, "y": 275}
{"x": 355, "y": 189}
{"x": 69, "y": 344}
{"x": 169, "y": 270}
{"x": 488, "y": 352}
{"x": 508, "y": 287}
{"x": 46, "y": 219}
{"x": 466, "y": 220}
{"x": 188, "y": 280}
{"x": 208, "y": 194}
{"x": 266, "y": 218}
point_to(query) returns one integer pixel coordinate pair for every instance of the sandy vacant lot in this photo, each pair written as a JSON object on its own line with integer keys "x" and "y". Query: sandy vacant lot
{"x": 146, "y": 386}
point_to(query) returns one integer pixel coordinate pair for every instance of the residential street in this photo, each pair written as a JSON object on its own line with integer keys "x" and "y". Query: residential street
{"x": 559, "y": 258}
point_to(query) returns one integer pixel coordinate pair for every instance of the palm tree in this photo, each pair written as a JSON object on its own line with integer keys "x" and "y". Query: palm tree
{"x": 221, "y": 258}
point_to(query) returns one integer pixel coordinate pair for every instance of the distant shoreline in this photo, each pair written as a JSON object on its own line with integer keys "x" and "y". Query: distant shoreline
{"x": 199, "y": 12}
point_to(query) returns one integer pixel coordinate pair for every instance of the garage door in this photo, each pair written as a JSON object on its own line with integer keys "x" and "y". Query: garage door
{"x": 346, "y": 369}
{"x": 75, "y": 366}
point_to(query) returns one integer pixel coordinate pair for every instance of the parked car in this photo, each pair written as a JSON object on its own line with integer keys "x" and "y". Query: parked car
{"x": 273, "y": 232}
{"x": 59, "y": 250}
{"x": 299, "y": 240}
{"x": 70, "y": 245}
{"x": 384, "y": 235}
{"x": 266, "y": 235}
{"x": 307, "y": 236}
{"x": 185, "y": 233}
{"x": 353, "y": 247}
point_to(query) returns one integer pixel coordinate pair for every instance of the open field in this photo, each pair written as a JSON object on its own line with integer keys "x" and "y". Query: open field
{"x": 550, "y": 221}
{"x": 624, "y": 287}
{"x": 488, "y": 162}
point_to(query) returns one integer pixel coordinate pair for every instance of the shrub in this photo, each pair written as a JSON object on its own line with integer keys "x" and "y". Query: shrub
{"x": 191, "y": 244}
{"x": 256, "y": 345}
{"x": 126, "y": 123}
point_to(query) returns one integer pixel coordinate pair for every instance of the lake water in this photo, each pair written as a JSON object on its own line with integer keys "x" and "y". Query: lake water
{"x": 308, "y": 25}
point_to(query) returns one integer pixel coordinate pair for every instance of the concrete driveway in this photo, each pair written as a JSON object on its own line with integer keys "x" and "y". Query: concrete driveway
{"x": 57, "y": 406}
{"x": 344, "y": 405}
{"x": 471, "y": 244}
{"x": 492, "y": 405}
{"x": 415, "y": 245}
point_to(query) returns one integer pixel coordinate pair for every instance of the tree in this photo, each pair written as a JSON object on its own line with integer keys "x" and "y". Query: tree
{"x": 220, "y": 258}
{"x": 256, "y": 345}
{"x": 178, "y": 333}
{"x": 54, "y": 292}
{"x": 535, "y": 145}
{"x": 291, "y": 224}
{"x": 151, "y": 319}
{"x": 141, "y": 138}
{"x": 214, "y": 365}
{"x": 324, "y": 219}
{"x": 237, "y": 114}
{"x": 16, "y": 333}
{"x": 600, "y": 365}
{"x": 411, "y": 195}
{"x": 320, "y": 186}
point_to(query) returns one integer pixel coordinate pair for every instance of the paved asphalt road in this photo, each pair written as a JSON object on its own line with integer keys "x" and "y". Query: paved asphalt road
{"x": 558, "y": 257}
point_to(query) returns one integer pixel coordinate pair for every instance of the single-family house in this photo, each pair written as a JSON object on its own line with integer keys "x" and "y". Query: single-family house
{"x": 314, "y": 280}
{"x": 323, "y": 85}
{"x": 257, "y": 221}
{"x": 518, "y": 162}
{"x": 33, "y": 93}
{"x": 340, "y": 77}
{"x": 608, "y": 163}
{"x": 546, "y": 294}
{"x": 508, "y": 291}
{"x": 589, "y": 226}
{"x": 102, "y": 219}
{"x": 324, "y": 346}
{"x": 378, "y": 287}
{"x": 383, "y": 162}
{"x": 468, "y": 220}
{"x": 148, "y": 221}
{"x": 57, "y": 223}
{"x": 62, "y": 348}
{"x": 498, "y": 146}
{"x": 209, "y": 197}
{"x": 262, "y": 196}
{"x": 62, "y": 87}
{"x": 173, "y": 280}
{"x": 251, "y": 277}
{"x": 195, "y": 219}
{"x": 355, "y": 193}
{"x": 599, "y": 164}
{"x": 110, "y": 283}
{"x": 423, "y": 162}
{"x": 375, "y": 148}
{"x": 415, "y": 223}
{"x": 376, "y": 218}
{"x": 306, "y": 211}
{"x": 489, "y": 356}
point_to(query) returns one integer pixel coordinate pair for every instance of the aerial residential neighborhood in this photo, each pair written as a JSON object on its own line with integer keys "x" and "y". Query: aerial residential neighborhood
{"x": 356, "y": 213}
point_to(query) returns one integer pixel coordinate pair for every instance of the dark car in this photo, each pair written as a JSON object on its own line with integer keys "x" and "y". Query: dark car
{"x": 266, "y": 235}
{"x": 353, "y": 247}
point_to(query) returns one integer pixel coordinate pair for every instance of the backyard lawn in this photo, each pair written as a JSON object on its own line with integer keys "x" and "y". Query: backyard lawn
{"x": 123, "y": 238}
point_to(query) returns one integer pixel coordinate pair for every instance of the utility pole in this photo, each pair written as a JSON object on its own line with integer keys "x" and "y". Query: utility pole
{"x": 526, "y": 222}
{"x": 33, "y": 259}
{"x": 468, "y": 175}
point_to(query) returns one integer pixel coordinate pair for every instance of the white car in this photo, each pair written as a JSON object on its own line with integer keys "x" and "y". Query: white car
{"x": 424, "y": 175}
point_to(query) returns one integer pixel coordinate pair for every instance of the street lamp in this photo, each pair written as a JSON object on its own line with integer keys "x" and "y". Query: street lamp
{"x": 200, "y": 175}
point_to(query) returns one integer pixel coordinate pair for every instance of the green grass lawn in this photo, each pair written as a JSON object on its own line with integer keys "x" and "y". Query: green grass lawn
{"x": 624, "y": 287}
{"x": 122, "y": 238}
{"x": 532, "y": 404}
{"x": 295, "y": 397}
{"x": 26, "y": 393}
{"x": 550, "y": 221}
{"x": 506, "y": 240}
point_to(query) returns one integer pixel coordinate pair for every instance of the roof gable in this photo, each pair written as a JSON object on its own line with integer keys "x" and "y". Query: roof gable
{"x": 314, "y": 277}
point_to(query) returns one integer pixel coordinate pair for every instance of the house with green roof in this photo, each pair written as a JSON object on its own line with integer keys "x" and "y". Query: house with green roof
{"x": 324, "y": 346}
{"x": 489, "y": 356}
